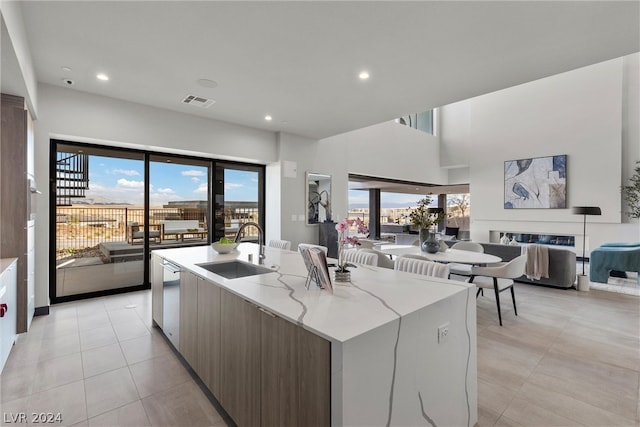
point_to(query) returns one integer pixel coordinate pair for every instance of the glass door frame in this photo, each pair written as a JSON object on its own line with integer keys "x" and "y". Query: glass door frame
{"x": 53, "y": 149}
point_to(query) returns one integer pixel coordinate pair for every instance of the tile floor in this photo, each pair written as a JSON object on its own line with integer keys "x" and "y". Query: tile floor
{"x": 569, "y": 358}
{"x": 101, "y": 363}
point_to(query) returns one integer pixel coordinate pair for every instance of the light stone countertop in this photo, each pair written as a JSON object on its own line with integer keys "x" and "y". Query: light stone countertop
{"x": 375, "y": 297}
{"x": 5, "y": 263}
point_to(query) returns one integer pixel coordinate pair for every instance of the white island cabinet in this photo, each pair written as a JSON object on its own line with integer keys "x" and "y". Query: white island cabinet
{"x": 390, "y": 348}
{"x": 8, "y": 308}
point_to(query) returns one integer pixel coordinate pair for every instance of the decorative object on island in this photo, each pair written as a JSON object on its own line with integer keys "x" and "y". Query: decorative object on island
{"x": 631, "y": 194}
{"x": 539, "y": 182}
{"x": 319, "y": 269}
{"x": 425, "y": 218}
{"x": 504, "y": 239}
{"x": 342, "y": 274}
{"x": 583, "y": 280}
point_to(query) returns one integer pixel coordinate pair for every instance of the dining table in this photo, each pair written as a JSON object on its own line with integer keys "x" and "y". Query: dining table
{"x": 449, "y": 256}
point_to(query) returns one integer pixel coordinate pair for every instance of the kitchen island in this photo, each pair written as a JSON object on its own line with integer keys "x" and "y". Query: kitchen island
{"x": 390, "y": 348}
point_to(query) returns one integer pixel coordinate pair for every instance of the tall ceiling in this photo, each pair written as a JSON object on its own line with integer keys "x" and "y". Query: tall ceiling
{"x": 299, "y": 61}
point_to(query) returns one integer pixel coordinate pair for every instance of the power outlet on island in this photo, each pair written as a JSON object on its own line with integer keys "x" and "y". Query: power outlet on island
{"x": 443, "y": 333}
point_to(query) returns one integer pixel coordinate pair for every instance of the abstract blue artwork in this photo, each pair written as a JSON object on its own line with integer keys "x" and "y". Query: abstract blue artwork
{"x": 539, "y": 182}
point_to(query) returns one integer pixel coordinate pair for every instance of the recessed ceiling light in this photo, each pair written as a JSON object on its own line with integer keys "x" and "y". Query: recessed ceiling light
{"x": 268, "y": 118}
{"x": 207, "y": 83}
{"x": 364, "y": 75}
{"x": 102, "y": 76}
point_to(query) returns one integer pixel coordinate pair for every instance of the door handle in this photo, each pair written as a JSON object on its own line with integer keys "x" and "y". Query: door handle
{"x": 3, "y": 309}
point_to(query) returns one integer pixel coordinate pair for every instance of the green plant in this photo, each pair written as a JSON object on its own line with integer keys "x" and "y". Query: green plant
{"x": 422, "y": 218}
{"x": 631, "y": 194}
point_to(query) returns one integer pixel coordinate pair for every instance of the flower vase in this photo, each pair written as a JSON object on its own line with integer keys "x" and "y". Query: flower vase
{"x": 342, "y": 277}
{"x": 429, "y": 244}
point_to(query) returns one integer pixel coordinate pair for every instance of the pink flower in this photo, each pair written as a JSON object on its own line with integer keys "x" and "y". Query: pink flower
{"x": 342, "y": 226}
{"x": 353, "y": 240}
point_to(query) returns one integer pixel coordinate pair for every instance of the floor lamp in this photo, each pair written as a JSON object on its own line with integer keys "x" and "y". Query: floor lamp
{"x": 585, "y": 210}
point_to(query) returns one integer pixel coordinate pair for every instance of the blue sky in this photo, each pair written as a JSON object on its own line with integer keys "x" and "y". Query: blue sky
{"x": 122, "y": 181}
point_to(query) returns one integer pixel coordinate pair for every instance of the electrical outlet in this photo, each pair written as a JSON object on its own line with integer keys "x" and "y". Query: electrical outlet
{"x": 443, "y": 333}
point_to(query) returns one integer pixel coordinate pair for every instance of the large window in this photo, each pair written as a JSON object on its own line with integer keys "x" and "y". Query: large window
{"x": 239, "y": 199}
{"x": 110, "y": 207}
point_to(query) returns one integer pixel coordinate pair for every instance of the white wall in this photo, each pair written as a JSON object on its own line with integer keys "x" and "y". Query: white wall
{"x": 578, "y": 113}
{"x": 630, "y": 121}
{"x": 12, "y": 17}
{"x": 79, "y": 116}
{"x": 293, "y": 208}
{"x": 385, "y": 150}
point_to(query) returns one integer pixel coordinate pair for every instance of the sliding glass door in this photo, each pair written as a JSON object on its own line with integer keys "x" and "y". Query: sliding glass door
{"x": 97, "y": 194}
{"x": 178, "y": 201}
{"x": 110, "y": 207}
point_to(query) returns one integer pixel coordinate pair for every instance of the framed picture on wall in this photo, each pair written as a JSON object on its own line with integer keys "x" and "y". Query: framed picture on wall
{"x": 536, "y": 183}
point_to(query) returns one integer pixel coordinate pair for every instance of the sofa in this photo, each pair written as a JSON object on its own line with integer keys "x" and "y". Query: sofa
{"x": 180, "y": 227}
{"x": 562, "y": 264}
{"x": 613, "y": 257}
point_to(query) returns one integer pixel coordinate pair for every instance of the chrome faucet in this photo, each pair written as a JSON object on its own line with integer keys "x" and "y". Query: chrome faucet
{"x": 260, "y": 238}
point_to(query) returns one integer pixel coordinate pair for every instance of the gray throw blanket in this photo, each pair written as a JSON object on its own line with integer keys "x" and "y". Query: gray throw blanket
{"x": 537, "y": 261}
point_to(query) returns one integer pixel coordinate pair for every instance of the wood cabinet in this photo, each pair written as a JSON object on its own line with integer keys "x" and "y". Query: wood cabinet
{"x": 273, "y": 372}
{"x": 295, "y": 375}
{"x": 264, "y": 370}
{"x": 14, "y": 211}
{"x": 315, "y": 379}
{"x": 208, "y": 353}
{"x": 240, "y": 360}
{"x": 156, "y": 289}
{"x": 189, "y": 317}
{"x": 280, "y": 371}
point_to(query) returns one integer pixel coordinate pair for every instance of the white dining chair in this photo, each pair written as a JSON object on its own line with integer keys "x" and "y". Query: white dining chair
{"x": 280, "y": 244}
{"x": 309, "y": 246}
{"x": 499, "y": 279}
{"x": 356, "y": 256}
{"x": 464, "y": 269}
{"x": 383, "y": 259}
{"x": 420, "y": 266}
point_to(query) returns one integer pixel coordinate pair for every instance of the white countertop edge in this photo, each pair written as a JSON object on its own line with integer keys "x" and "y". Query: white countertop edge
{"x": 250, "y": 287}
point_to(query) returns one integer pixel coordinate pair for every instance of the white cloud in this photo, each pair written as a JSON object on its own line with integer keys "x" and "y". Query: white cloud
{"x": 232, "y": 185}
{"x": 195, "y": 179}
{"x": 127, "y": 172}
{"x": 158, "y": 199}
{"x": 203, "y": 188}
{"x": 130, "y": 184}
{"x": 192, "y": 173}
{"x": 166, "y": 191}
{"x": 254, "y": 179}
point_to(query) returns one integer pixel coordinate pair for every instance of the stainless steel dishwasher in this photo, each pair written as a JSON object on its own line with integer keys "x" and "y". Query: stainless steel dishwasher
{"x": 171, "y": 302}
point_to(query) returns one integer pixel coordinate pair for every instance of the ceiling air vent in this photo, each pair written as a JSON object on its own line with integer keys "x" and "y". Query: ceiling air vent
{"x": 198, "y": 101}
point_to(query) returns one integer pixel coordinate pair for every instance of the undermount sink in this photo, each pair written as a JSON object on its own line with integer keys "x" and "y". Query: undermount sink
{"x": 234, "y": 269}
